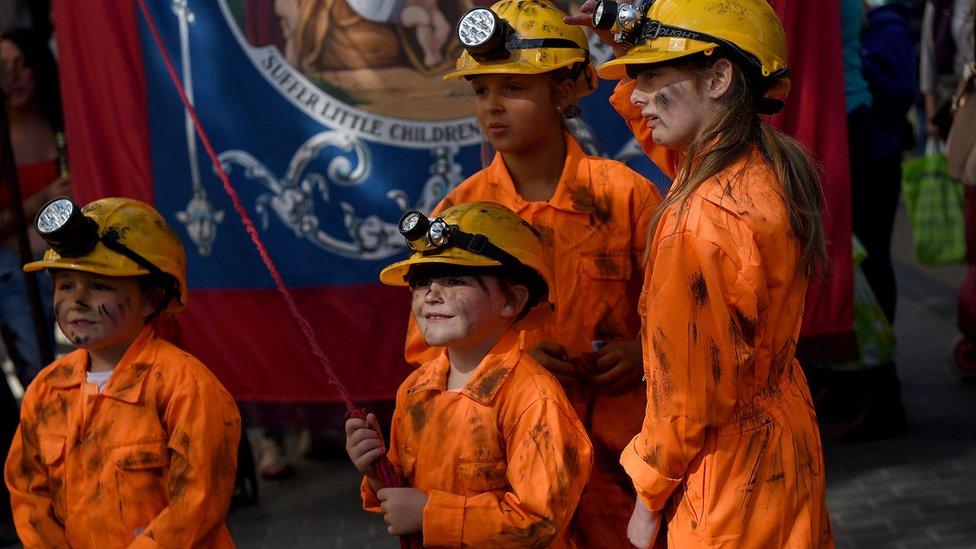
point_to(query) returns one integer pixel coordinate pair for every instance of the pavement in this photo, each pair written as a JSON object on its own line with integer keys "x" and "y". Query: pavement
{"x": 918, "y": 490}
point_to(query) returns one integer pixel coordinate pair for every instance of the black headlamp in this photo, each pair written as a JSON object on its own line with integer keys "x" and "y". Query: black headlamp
{"x": 486, "y": 37}
{"x": 71, "y": 233}
{"x": 65, "y": 229}
{"x": 431, "y": 237}
{"x": 626, "y": 21}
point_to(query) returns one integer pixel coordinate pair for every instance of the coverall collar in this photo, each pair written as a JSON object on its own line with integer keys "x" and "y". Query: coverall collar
{"x": 126, "y": 381}
{"x": 562, "y": 199}
{"x": 486, "y": 379}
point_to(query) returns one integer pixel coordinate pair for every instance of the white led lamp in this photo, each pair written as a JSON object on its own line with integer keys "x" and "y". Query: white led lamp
{"x": 68, "y": 231}
{"x": 486, "y": 37}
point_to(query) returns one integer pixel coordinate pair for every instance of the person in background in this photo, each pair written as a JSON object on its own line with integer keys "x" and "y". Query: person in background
{"x": 29, "y": 78}
{"x": 889, "y": 66}
{"x": 946, "y": 51}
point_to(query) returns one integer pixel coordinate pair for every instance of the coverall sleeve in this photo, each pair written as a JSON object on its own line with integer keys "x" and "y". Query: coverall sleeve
{"x": 549, "y": 460}
{"x": 204, "y": 428}
{"x": 27, "y": 479}
{"x": 415, "y": 350}
{"x": 666, "y": 160}
{"x": 644, "y": 212}
{"x": 697, "y": 335}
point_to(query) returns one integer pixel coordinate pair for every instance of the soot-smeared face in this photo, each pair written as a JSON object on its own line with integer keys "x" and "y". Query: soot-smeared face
{"x": 672, "y": 106}
{"x": 459, "y": 311}
{"x": 98, "y": 312}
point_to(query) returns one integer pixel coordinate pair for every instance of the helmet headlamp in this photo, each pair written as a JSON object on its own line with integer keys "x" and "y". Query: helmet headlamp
{"x": 626, "y": 21}
{"x": 414, "y": 225}
{"x": 68, "y": 231}
{"x": 71, "y": 233}
{"x": 487, "y": 37}
{"x": 482, "y": 33}
{"x": 432, "y": 236}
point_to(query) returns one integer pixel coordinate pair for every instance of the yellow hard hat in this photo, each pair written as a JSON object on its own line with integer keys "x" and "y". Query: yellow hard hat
{"x": 473, "y": 234}
{"x": 112, "y": 237}
{"x": 524, "y": 37}
{"x": 672, "y": 29}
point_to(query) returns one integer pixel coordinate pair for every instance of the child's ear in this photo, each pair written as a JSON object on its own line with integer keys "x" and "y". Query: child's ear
{"x": 151, "y": 300}
{"x": 719, "y": 78}
{"x": 564, "y": 95}
{"x": 515, "y": 301}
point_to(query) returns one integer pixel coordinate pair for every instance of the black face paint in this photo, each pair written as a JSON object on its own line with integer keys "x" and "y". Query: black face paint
{"x": 103, "y": 311}
{"x": 662, "y": 100}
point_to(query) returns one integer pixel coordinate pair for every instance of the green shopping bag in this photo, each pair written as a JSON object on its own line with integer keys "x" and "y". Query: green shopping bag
{"x": 934, "y": 205}
{"x": 875, "y": 336}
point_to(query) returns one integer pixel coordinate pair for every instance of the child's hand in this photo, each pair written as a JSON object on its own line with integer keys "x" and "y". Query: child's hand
{"x": 552, "y": 357}
{"x": 585, "y": 19}
{"x": 403, "y": 509}
{"x": 644, "y": 525}
{"x": 364, "y": 444}
{"x": 619, "y": 368}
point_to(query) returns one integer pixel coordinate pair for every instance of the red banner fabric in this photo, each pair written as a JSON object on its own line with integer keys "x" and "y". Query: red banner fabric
{"x": 104, "y": 95}
{"x": 815, "y": 114}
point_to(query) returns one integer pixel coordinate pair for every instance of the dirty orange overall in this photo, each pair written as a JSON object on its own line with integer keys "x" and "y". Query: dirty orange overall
{"x": 729, "y": 447}
{"x": 150, "y": 461}
{"x": 503, "y": 461}
{"x": 595, "y": 227}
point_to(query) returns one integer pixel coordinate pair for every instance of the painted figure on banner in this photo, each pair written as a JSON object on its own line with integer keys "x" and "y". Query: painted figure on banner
{"x": 387, "y": 56}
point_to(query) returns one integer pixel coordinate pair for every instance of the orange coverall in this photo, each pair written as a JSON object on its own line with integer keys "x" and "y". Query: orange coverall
{"x": 730, "y": 447}
{"x": 150, "y": 461}
{"x": 595, "y": 226}
{"x": 503, "y": 461}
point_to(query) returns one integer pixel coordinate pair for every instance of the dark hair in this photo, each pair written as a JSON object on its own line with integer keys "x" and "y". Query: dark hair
{"x": 507, "y": 276}
{"x": 738, "y": 129}
{"x": 38, "y": 57}
{"x": 160, "y": 289}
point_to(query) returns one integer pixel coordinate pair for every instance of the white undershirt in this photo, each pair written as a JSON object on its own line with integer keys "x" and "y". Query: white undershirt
{"x": 99, "y": 378}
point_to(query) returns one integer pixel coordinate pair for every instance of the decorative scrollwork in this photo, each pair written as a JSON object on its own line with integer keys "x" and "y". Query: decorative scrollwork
{"x": 292, "y": 198}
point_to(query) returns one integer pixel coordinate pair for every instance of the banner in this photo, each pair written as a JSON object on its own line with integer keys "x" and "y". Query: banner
{"x": 331, "y": 118}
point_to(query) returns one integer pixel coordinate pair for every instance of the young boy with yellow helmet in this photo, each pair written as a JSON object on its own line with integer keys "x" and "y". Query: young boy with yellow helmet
{"x": 128, "y": 441}
{"x": 488, "y": 443}
{"x": 526, "y": 68}
{"x": 729, "y": 453}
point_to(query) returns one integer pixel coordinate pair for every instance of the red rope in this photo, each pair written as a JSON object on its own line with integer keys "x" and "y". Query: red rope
{"x": 384, "y": 469}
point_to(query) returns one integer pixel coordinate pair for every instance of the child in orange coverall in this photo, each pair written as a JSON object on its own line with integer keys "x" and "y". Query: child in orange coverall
{"x": 488, "y": 443}
{"x": 729, "y": 453}
{"x": 127, "y": 441}
{"x": 593, "y": 214}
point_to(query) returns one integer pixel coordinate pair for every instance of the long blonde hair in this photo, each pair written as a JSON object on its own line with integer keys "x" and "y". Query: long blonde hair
{"x": 735, "y": 131}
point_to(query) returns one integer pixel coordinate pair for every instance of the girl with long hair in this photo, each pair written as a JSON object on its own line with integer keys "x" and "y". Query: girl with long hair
{"x": 729, "y": 453}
